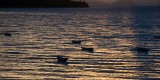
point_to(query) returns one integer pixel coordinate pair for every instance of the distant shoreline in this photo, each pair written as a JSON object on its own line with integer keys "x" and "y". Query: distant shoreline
{"x": 42, "y": 4}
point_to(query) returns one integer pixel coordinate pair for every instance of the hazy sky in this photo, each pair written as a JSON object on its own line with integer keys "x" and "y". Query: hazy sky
{"x": 138, "y": 2}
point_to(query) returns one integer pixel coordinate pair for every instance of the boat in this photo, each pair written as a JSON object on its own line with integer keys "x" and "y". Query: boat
{"x": 7, "y": 34}
{"x": 157, "y": 36}
{"x": 76, "y": 41}
{"x": 139, "y": 49}
{"x": 62, "y": 59}
{"x": 87, "y": 49}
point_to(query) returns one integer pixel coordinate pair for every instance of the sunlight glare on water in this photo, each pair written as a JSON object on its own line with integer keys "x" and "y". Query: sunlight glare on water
{"x": 39, "y": 35}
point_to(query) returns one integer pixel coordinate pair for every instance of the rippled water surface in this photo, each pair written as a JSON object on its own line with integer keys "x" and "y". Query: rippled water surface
{"x": 39, "y": 35}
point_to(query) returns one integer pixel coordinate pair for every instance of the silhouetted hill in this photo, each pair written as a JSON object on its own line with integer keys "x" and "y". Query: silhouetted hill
{"x": 41, "y": 3}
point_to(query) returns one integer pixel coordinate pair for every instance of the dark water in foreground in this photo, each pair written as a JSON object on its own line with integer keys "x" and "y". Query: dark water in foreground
{"x": 38, "y": 35}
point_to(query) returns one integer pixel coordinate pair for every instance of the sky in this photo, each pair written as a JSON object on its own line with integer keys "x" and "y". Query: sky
{"x": 137, "y": 2}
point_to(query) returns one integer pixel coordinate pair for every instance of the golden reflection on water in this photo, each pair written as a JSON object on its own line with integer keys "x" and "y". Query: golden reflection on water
{"x": 31, "y": 52}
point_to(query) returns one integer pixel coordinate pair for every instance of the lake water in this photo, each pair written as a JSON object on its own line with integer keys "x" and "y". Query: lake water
{"x": 38, "y": 35}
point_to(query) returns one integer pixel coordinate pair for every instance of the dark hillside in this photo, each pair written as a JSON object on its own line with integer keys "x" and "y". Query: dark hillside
{"x": 41, "y": 3}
